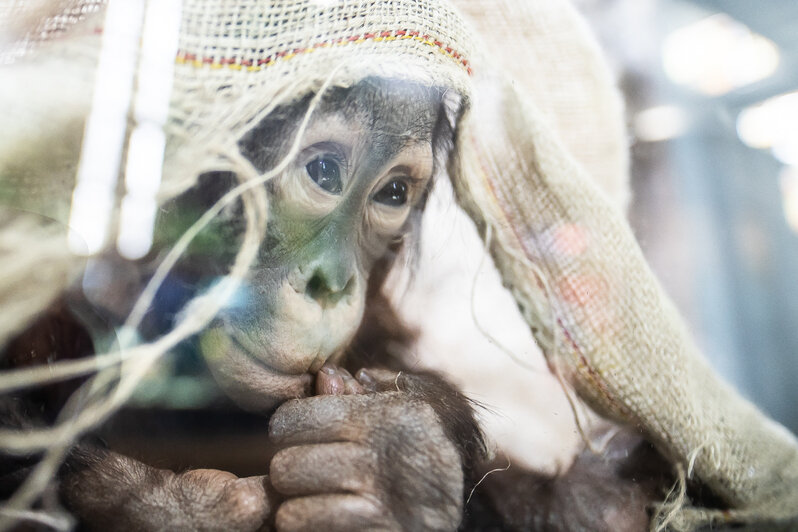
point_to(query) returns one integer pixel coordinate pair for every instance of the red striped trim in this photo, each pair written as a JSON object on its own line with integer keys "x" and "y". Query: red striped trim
{"x": 257, "y": 64}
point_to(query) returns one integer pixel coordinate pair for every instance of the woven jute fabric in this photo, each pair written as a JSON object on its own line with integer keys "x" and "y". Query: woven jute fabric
{"x": 605, "y": 324}
{"x": 550, "y": 56}
{"x": 26, "y": 23}
{"x": 539, "y": 154}
{"x": 237, "y": 59}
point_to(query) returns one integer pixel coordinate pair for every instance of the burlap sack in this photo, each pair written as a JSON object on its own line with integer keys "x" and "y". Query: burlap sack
{"x": 524, "y": 167}
{"x": 605, "y": 324}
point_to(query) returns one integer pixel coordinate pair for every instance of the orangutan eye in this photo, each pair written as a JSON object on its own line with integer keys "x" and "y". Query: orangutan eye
{"x": 394, "y": 194}
{"x": 326, "y": 173}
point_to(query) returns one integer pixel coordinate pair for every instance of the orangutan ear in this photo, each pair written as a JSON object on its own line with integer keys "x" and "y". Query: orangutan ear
{"x": 453, "y": 106}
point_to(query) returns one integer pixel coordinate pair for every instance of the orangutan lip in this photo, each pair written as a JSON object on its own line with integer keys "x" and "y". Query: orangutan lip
{"x": 248, "y": 352}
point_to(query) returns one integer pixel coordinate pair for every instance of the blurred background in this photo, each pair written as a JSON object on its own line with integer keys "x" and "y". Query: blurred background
{"x": 712, "y": 97}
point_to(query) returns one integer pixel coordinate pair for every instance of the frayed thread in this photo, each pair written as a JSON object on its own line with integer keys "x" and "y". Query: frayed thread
{"x": 498, "y": 469}
{"x": 668, "y": 512}
{"x": 119, "y": 372}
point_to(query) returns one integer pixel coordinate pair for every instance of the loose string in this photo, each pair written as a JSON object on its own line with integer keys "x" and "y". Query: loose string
{"x": 498, "y": 469}
{"x": 134, "y": 362}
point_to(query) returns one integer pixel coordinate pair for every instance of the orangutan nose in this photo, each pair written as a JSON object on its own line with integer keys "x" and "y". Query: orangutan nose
{"x": 328, "y": 288}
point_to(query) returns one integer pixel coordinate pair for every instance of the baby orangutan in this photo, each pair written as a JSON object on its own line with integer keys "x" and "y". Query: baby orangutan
{"x": 384, "y": 449}
{"x": 380, "y": 456}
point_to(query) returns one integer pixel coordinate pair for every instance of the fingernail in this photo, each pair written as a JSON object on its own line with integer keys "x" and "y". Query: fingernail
{"x": 337, "y": 387}
{"x": 365, "y": 379}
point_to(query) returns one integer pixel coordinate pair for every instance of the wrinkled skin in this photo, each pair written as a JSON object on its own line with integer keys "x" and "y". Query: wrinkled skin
{"x": 109, "y": 491}
{"x": 360, "y": 455}
{"x": 340, "y": 472}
